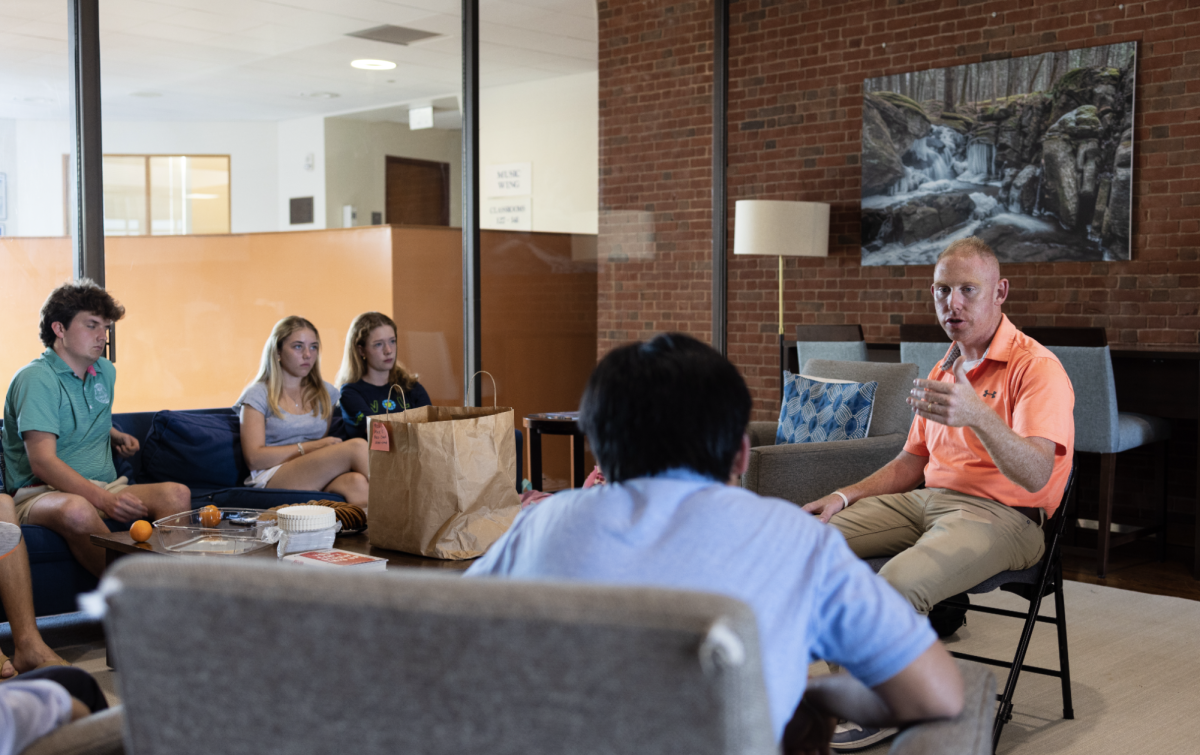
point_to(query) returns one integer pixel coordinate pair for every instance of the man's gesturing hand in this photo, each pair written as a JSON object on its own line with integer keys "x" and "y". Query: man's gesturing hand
{"x": 954, "y": 404}
{"x": 825, "y": 508}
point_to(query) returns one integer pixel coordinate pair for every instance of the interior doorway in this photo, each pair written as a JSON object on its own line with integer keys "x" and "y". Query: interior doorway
{"x": 418, "y": 192}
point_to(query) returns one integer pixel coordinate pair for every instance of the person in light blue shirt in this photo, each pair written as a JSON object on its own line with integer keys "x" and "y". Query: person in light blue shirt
{"x": 666, "y": 420}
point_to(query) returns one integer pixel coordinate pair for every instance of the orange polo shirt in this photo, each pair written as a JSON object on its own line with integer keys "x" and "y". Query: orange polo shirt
{"x": 1026, "y": 385}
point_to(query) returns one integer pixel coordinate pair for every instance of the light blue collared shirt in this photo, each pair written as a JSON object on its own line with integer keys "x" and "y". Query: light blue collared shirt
{"x": 812, "y": 597}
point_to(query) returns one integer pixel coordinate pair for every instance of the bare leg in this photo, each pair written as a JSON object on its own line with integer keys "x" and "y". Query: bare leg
{"x": 16, "y": 592}
{"x": 76, "y": 520}
{"x": 352, "y": 486}
{"x": 163, "y": 498}
{"x": 318, "y": 469}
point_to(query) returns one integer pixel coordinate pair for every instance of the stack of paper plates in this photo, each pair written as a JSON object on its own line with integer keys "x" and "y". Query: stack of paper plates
{"x": 306, "y": 518}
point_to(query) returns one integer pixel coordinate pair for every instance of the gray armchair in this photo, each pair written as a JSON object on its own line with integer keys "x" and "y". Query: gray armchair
{"x": 803, "y": 472}
{"x": 245, "y": 658}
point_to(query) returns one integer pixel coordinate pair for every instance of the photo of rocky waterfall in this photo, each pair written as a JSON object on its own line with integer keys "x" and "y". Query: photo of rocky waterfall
{"x": 1034, "y": 155}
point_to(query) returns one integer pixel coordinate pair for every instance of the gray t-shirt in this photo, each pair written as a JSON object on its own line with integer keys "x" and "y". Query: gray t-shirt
{"x": 290, "y": 428}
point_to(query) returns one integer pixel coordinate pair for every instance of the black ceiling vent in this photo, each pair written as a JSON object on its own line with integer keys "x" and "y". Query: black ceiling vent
{"x": 396, "y": 35}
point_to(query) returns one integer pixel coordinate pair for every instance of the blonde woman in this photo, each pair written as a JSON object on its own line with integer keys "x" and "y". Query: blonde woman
{"x": 370, "y": 369}
{"x": 285, "y": 414}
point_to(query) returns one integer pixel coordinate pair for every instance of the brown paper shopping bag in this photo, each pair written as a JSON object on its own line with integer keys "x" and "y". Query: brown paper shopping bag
{"x": 442, "y": 480}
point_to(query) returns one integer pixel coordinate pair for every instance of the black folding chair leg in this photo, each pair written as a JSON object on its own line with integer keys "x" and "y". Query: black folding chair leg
{"x": 1060, "y": 620}
{"x": 1004, "y": 711}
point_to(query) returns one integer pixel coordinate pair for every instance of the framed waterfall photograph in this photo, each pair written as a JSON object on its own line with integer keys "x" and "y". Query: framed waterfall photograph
{"x": 1033, "y": 154}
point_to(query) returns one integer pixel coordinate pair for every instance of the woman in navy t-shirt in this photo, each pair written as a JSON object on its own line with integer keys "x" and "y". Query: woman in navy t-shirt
{"x": 369, "y": 372}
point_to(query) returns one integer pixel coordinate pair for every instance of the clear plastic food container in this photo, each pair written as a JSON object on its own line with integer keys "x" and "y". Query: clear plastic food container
{"x": 238, "y": 532}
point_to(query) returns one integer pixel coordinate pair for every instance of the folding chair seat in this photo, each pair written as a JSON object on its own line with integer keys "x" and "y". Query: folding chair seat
{"x": 1032, "y": 584}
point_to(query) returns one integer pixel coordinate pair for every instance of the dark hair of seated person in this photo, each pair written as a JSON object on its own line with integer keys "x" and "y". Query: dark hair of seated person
{"x": 668, "y": 403}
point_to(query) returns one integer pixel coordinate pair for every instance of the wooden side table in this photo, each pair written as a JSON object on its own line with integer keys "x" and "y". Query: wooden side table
{"x": 556, "y": 423}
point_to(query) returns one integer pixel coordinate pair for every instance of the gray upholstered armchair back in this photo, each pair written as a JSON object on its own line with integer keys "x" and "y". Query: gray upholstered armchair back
{"x": 1091, "y": 373}
{"x": 803, "y": 472}
{"x": 237, "y": 656}
{"x": 924, "y": 355}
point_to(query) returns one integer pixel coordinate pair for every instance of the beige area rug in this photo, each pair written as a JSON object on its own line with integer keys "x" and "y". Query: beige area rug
{"x": 1135, "y": 672}
{"x": 92, "y": 659}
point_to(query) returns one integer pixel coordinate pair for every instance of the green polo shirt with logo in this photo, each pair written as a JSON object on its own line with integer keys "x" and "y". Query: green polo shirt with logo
{"x": 45, "y": 395}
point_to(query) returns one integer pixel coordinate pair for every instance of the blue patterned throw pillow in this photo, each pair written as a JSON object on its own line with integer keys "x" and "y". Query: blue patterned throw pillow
{"x": 816, "y": 410}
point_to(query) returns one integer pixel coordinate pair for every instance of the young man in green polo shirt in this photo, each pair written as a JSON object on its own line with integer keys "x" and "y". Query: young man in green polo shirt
{"x": 58, "y": 433}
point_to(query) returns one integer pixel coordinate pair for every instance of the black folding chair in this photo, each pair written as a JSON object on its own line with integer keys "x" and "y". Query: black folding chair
{"x": 1033, "y": 584}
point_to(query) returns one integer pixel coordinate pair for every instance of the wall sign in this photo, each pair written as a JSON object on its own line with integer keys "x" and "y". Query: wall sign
{"x": 509, "y": 214}
{"x": 509, "y": 180}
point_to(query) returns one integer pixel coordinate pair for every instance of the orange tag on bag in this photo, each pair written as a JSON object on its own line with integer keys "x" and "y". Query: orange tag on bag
{"x": 379, "y": 437}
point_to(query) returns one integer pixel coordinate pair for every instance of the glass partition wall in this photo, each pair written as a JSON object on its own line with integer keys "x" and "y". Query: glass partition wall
{"x": 539, "y": 181}
{"x": 264, "y": 160}
{"x": 35, "y": 144}
{"x": 247, "y": 150}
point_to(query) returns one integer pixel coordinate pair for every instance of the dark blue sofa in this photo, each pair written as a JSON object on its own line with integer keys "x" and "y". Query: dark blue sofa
{"x": 200, "y": 448}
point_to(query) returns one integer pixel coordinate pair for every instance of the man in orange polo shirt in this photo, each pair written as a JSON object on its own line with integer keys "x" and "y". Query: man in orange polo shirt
{"x": 992, "y": 440}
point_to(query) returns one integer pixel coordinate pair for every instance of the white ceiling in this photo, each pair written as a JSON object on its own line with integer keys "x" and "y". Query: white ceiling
{"x": 218, "y": 60}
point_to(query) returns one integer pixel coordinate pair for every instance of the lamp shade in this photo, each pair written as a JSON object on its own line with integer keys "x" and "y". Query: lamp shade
{"x": 783, "y": 229}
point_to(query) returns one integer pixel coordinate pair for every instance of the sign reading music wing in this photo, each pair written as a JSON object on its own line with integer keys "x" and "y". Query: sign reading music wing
{"x": 509, "y": 180}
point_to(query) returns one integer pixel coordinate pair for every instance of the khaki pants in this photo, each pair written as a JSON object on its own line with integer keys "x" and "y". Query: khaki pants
{"x": 943, "y": 542}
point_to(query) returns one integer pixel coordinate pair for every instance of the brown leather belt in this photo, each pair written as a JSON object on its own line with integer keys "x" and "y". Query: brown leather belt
{"x": 1034, "y": 514}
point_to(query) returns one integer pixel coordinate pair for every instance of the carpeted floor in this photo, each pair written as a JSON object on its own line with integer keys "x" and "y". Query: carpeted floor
{"x": 1135, "y": 668}
{"x": 1135, "y": 673}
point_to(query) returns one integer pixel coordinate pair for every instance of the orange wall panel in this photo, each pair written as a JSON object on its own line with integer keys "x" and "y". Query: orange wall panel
{"x": 538, "y": 312}
{"x": 29, "y": 269}
{"x": 199, "y": 308}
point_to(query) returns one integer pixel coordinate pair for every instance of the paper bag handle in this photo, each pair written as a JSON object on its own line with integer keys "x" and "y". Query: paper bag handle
{"x": 495, "y": 390}
{"x": 403, "y": 398}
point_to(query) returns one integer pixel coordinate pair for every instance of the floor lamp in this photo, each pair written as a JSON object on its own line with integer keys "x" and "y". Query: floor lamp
{"x": 781, "y": 229}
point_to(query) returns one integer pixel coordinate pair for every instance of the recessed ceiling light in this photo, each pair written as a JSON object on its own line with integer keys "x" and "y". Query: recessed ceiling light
{"x": 320, "y": 95}
{"x": 147, "y": 95}
{"x": 373, "y": 65}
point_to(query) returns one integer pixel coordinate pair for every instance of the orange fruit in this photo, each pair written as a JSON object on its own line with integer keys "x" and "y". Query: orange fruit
{"x": 141, "y": 531}
{"x": 210, "y": 516}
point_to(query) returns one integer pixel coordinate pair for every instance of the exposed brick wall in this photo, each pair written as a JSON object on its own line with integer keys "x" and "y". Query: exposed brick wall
{"x": 796, "y": 73}
{"x": 655, "y": 170}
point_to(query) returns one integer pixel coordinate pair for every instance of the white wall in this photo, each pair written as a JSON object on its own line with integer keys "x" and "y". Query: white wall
{"x": 253, "y": 159}
{"x": 554, "y": 124}
{"x": 8, "y": 166}
{"x": 355, "y": 164}
{"x": 298, "y": 139}
{"x": 35, "y": 177}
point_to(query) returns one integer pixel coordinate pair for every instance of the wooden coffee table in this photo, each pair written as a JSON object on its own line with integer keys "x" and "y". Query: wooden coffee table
{"x": 118, "y": 544}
